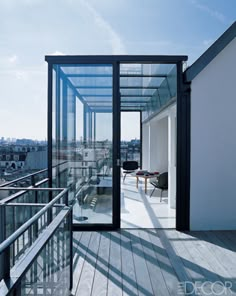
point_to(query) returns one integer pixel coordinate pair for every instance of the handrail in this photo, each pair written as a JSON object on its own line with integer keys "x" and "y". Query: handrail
{"x": 29, "y": 175}
{"x": 33, "y": 252}
{"x": 22, "y": 178}
{"x": 23, "y": 190}
{"x": 5, "y": 244}
{"x": 33, "y": 188}
{"x": 27, "y": 204}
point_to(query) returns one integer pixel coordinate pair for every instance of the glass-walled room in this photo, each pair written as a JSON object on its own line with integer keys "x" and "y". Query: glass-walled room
{"x": 105, "y": 111}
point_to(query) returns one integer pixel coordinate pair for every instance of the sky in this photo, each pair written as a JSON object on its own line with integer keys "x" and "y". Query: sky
{"x": 31, "y": 29}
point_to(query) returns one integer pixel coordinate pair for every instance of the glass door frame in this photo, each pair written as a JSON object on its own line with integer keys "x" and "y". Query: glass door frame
{"x": 183, "y": 131}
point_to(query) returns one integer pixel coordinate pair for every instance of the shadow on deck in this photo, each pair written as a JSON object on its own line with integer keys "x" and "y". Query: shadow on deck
{"x": 154, "y": 262}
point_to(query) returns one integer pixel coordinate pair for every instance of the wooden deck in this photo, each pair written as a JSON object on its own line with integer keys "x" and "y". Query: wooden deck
{"x": 154, "y": 262}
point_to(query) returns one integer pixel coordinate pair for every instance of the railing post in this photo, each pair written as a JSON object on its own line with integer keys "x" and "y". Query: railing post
{"x": 49, "y": 212}
{"x": 67, "y": 198}
{"x": 32, "y": 180}
{"x": 70, "y": 218}
{"x": 5, "y": 256}
{"x": 35, "y": 192}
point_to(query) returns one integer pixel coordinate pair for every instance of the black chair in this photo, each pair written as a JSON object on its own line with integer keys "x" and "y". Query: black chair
{"x": 160, "y": 183}
{"x": 129, "y": 167}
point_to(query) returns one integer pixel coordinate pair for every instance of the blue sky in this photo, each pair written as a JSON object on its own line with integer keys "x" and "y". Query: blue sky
{"x": 30, "y": 29}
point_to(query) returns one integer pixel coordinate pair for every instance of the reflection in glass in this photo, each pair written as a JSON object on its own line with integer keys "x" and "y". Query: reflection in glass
{"x": 82, "y": 139}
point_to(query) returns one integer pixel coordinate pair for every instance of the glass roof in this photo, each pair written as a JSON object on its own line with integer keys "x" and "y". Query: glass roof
{"x": 143, "y": 87}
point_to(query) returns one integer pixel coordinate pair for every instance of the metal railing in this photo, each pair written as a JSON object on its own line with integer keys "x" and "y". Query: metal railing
{"x": 47, "y": 228}
{"x": 27, "y": 178}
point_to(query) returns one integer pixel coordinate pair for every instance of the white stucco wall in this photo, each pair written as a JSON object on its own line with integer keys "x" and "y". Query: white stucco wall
{"x": 145, "y": 146}
{"x": 159, "y": 148}
{"x": 159, "y": 145}
{"x": 213, "y": 144}
{"x": 155, "y": 144}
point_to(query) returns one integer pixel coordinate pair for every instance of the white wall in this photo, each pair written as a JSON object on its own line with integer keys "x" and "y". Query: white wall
{"x": 159, "y": 145}
{"x": 145, "y": 146}
{"x": 213, "y": 144}
{"x": 159, "y": 148}
{"x": 172, "y": 157}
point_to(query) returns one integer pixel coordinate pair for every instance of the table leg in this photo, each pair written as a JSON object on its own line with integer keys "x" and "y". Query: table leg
{"x": 145, "y": 185}
{"x": 136, "y": 182}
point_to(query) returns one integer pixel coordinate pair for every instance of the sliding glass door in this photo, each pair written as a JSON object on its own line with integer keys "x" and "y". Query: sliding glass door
{"x": 83, "y": 141}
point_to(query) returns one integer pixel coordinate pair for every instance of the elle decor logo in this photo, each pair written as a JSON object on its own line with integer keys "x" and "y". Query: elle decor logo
{"x": 205, "y": 288}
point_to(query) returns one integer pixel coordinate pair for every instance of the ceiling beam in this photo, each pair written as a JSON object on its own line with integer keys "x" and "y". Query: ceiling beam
{"x": 139, "y": 87}
{"x": 92, "y": 75}
{"x": 143, "y": 75}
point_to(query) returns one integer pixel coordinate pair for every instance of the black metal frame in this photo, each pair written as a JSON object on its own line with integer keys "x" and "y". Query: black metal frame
{"x": 183, "y": 131}
{"x": 183, "y": 153}
{"x": 50, "y": 124}
{"x": 116, "y": 146}
{"x": 109, "y": 59}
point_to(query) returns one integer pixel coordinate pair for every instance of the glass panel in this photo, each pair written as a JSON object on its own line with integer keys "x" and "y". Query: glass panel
{"x": 130, "y": 137}
{"x": 82, "y": 139}
{"x": 147, "y": 87}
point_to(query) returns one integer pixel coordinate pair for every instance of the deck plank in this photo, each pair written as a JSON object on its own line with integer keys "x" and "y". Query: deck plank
{"x": 202, "y": 259}
{"x": 215, "y": 259}
{"x": 129, "y": 282}
{"x": 224, "y": 253}
{"x": 114, "y": 277}
{"x": 208, "y": 253}
{"x": 168, "y": 272}
{"x": 182, "y": 251}
{"x": 101, "y": 269}
{"x": 142, "y": 275}
{"x": 87, "y": 276}
{"x": 151, "y": 262}
{"x": 79, "y": 256}
{"x": 155, "y": 273}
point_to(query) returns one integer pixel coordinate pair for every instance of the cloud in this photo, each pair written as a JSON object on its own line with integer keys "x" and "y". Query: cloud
{"x": 8, "y": 61}
{"x": 212, "y": 12}
{"x": 13, "y": 59}
{"x": 57, "y": 53}
{"x": 115, "y": 40}
{"x": 207, "y": 42}
{"x": 21, "y": 75}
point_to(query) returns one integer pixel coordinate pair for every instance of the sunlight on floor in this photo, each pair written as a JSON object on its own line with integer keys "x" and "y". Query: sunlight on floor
{"x": 138, "y": 210}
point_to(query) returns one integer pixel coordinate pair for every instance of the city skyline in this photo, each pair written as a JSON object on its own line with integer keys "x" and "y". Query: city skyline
{"x": 32, "y": 29}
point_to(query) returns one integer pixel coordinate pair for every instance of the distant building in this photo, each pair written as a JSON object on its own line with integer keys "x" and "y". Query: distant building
{"x": 14, "y": 156}
{"x": 14, "y": 160}
{"x": 36, "y": 160}
{"x": 130, "y": 150}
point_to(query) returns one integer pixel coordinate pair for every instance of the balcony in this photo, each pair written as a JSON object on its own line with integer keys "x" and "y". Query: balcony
{"x": 44, "y": 248}
{"x": 41, "y": 256}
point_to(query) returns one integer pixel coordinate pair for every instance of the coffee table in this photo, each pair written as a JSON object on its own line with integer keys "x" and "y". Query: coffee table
{"x": 145, "y": 177}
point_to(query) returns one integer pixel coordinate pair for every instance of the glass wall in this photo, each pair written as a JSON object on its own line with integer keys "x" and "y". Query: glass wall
{"x": 82, "y": 131}
{"x": 82, "y": 138}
